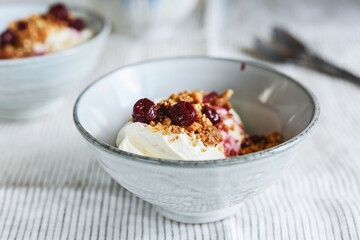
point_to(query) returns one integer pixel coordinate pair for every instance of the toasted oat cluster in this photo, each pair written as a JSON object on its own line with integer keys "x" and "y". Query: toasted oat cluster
{"x": 256, "y": 143}
{"x": 19, "y": 39}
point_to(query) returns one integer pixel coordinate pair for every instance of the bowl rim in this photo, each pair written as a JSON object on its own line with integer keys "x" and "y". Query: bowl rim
{"x": 105, "y": 30}
{"x": 205, "y": 163}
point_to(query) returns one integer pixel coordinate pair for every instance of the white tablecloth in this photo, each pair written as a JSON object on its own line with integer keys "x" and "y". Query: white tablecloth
{"x": 51, "y": 187}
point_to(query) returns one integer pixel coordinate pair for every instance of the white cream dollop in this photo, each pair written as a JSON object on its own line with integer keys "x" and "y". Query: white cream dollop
{"x": 139, "y": 138}
{"x": 59, "y": 40}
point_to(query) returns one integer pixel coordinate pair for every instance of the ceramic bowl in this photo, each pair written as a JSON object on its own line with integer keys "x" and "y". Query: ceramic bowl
{"x": 197, "y": 191}
{"x": 146, "y": 18}
{"x": 33, "y": 86}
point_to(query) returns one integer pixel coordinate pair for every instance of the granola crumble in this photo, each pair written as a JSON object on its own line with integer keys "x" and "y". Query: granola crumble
{"x": 255, "y": 143}
{"x": 202, "y": 129}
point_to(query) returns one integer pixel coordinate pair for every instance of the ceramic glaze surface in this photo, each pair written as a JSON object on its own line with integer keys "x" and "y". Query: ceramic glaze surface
{"x": 191, "y": 191}
{"x": 36, "y": 85}
{"x": 155, "y": 18}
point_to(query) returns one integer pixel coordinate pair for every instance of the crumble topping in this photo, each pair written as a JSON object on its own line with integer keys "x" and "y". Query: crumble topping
{"x": 202, "y": 128}
{"x": 256, "y": 143}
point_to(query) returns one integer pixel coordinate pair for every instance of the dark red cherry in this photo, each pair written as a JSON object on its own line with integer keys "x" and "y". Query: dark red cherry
{"x": 144, "y": 111}
{"x": 211, "y": 114}
{"x": 77, "y": 23}
{"x": 8, "y": 37}
{"x": 209, "y": 97}
{"x": 183, "y": 114}
{"x": 22, "y": 25}
{"x": 59, "y": 11}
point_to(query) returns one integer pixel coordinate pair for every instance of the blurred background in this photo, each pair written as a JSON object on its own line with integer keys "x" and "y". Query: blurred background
{"x": 225, "y": 28}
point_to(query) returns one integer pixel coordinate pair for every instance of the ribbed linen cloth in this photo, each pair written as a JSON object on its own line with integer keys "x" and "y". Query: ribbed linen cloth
{"x": 51, "y": 187}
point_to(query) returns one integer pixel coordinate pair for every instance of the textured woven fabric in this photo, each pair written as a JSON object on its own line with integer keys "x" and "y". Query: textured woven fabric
{"x": 51, "y": 187}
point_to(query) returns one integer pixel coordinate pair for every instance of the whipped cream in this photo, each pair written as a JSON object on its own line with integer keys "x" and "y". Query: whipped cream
{"x": 59, "y": 40}
{"x": 139, "y": 138}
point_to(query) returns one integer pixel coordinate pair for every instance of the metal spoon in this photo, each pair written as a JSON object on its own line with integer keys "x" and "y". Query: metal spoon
{"x": 284, "y": 37}
{"x": 284, "y": 47}
{"x": 275, "y": 51}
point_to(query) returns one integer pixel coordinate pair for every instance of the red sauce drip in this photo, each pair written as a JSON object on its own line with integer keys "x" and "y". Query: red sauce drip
{"x": 243, "y": 66}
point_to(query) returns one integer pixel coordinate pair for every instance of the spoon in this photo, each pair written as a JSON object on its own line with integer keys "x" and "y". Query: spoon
{"x": 284, "y": 47}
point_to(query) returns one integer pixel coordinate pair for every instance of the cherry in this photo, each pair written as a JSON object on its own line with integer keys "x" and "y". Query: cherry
{"x": 59, "y": 11}
{"x": 209, "y": 97}
{"x": 8, "y": 37}
{"x": 22, "y": 25}
{"x": 77, "y": 23}
{"x": 211, "y": 114}
{"x": 183, "y": 114}
{"x": 144, "y": 111}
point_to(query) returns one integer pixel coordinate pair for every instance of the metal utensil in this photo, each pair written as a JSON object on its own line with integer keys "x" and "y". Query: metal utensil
{"x": 284, "y": 47}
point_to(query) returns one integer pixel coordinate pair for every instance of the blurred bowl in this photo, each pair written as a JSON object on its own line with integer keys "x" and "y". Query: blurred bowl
{"x": 34, "y": 86}
{"x": 145, "y": 18}
{"x": 197, "y": 191}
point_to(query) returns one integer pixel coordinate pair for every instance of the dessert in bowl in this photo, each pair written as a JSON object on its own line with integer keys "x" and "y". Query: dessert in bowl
{"x": 190, "y": 126}
{"x": 45, "y": 51}
{"x": 185, "y": 189}
{"x": 40, "y": 34}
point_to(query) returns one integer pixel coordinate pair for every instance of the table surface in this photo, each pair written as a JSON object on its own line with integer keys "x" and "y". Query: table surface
{"x": 51, "y": 187}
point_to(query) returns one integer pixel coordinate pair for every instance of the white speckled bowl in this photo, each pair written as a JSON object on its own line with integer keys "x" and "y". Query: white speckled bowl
{"x": 34, "y": 86}
{"x": 197, "y": 191}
